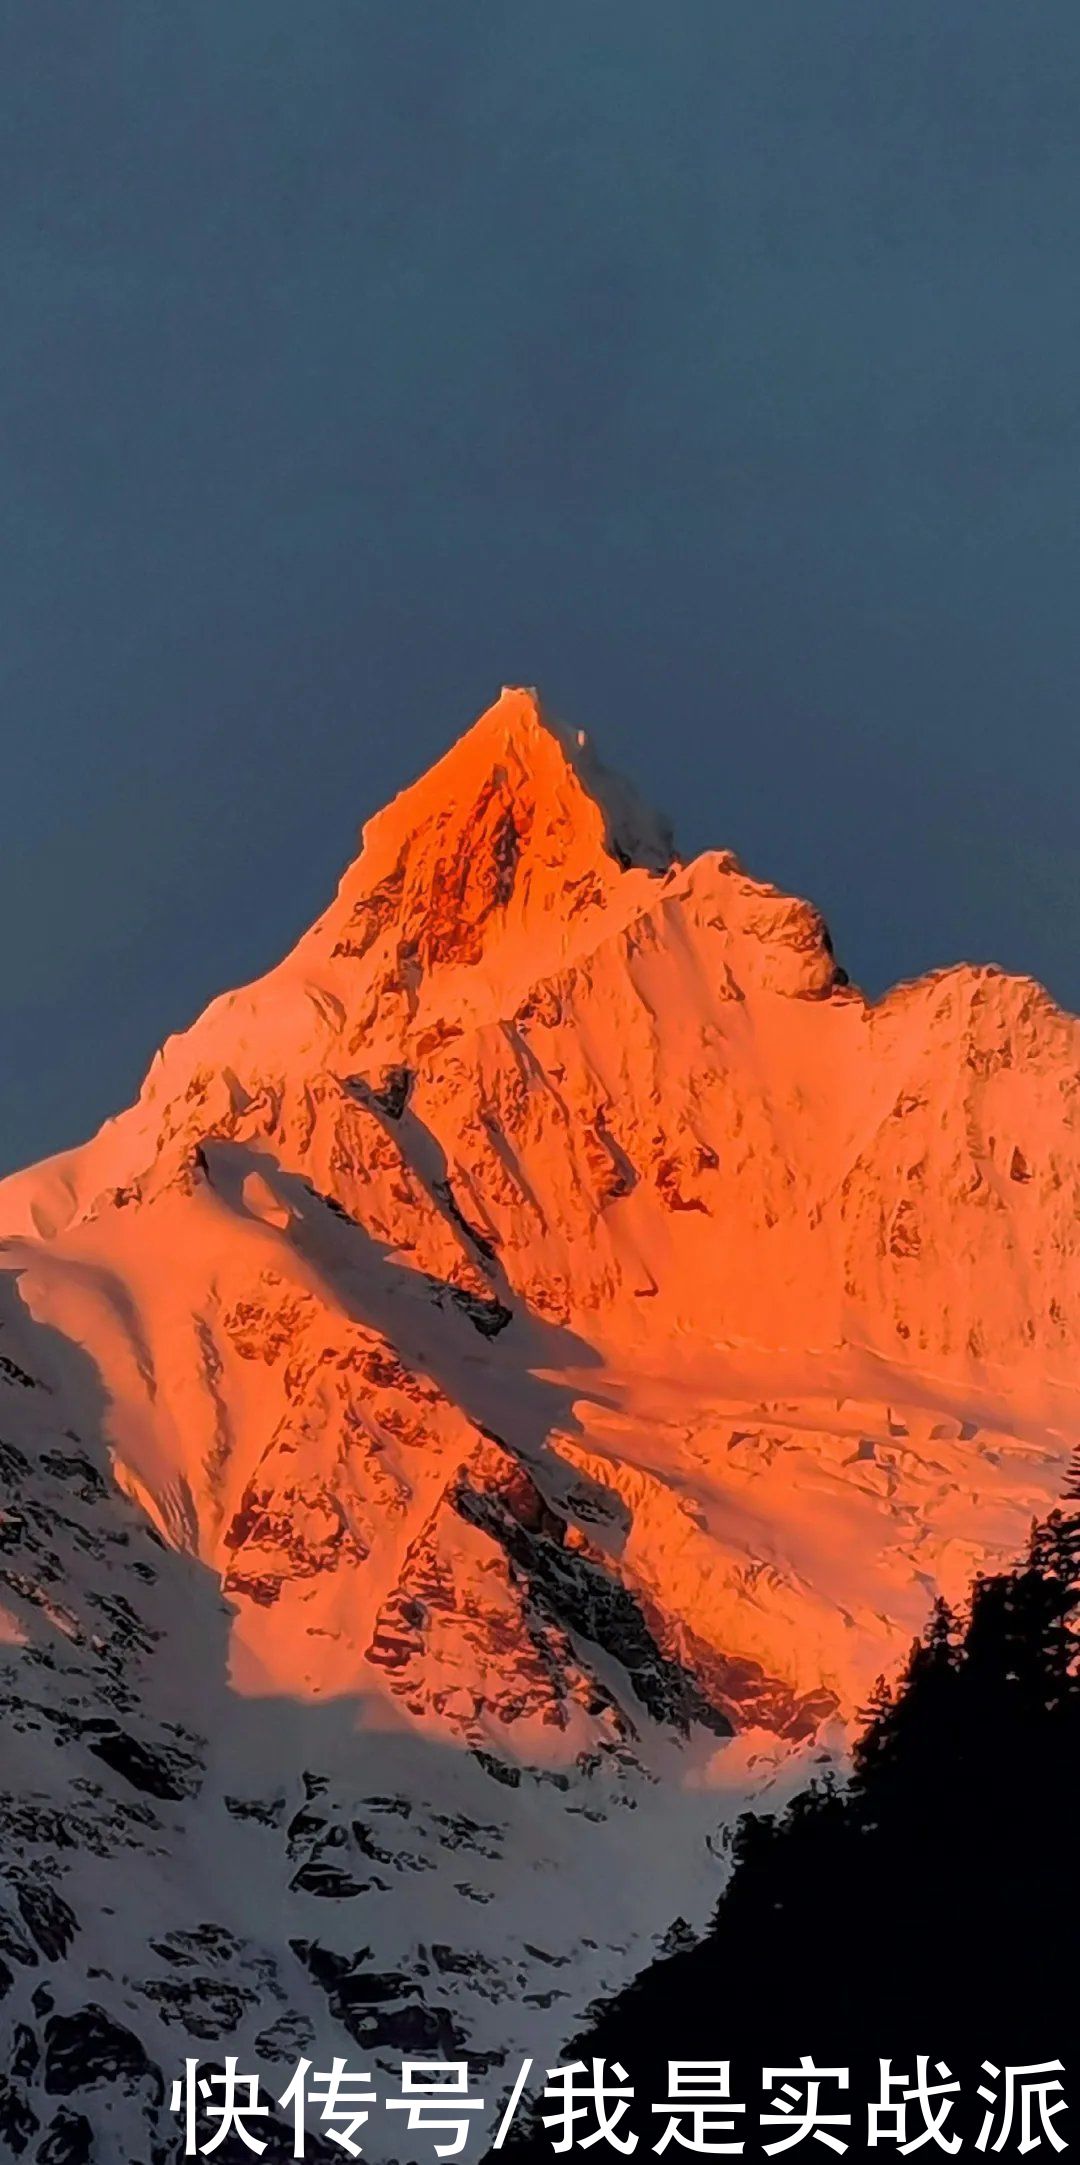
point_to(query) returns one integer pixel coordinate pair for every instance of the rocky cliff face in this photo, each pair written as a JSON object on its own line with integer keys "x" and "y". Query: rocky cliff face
{"x": 515, "y": 1377}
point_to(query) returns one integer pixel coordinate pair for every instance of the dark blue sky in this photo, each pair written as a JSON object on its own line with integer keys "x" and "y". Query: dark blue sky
{"x": 712, "y": 366}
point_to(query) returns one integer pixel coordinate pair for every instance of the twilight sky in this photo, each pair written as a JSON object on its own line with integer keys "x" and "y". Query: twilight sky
{"x": 712, "y": 366}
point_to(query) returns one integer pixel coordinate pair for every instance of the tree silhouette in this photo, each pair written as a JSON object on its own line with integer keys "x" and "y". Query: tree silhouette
{"x": 928, "y": 1904}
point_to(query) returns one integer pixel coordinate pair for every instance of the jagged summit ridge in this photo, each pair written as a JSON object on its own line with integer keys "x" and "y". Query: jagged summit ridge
{"x": 516, "y": 1375}
{"x": 549, "y": 768}
{"x": 497, "y": 861}
{"x": 509, "y": 826}
{"x": 494, "y": 875}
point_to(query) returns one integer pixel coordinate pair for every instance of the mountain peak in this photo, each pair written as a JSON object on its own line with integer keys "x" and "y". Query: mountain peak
{"x": 509, "y": 841}
{"x": 548, "y": 773}
{"x": 545, "y": 1324}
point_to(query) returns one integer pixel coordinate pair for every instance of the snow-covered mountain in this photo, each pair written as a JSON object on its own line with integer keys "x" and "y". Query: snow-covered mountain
{"x": 518, "y": 1373}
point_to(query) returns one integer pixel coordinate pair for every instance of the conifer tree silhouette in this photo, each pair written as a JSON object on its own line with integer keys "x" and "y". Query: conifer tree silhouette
{"x": 930, "y": 1903}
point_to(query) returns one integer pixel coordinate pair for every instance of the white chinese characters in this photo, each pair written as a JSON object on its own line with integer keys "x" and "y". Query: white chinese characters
{"x": 594, "y": 2107}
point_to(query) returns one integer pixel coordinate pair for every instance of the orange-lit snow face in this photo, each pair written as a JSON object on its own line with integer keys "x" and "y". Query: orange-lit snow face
{"x": 554, "y": 1240}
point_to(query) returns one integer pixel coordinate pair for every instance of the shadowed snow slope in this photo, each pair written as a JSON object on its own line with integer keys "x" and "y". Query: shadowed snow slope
{"x": 516, "y": 1376}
